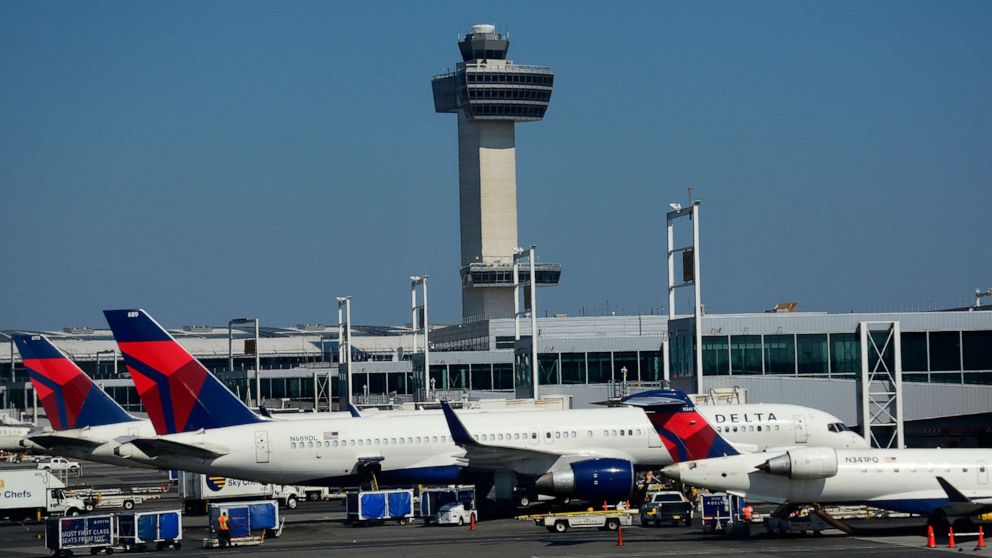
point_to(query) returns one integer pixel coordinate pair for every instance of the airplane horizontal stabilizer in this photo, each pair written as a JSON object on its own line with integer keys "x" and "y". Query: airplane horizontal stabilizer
{"x": 51, "y": 441}
{"x": 959, "y": 504}
{"x": 155, "y": 447}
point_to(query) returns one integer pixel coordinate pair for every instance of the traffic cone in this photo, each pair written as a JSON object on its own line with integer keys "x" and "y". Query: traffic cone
{"x": 950, "y": 538}
{"x": 620, "y": 535}
{"x": 471, "y": 523}
{"x": 981, "y": 538}
{"x": 605, "y": 505}
{"x": 931, "y": 542}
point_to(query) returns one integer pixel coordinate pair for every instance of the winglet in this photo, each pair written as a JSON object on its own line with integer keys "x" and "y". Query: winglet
{"x": 953, "y": 494}
{"x": 354, "y": 410}
{"x": 459, "y": 434}
{"x": 178, "y": 392}
{"x": 68, "y": 395}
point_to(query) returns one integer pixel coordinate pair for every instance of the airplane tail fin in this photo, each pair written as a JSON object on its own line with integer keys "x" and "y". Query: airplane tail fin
{"x": 686, "y": 434}
{"x": 178, "y": 392}
{"x": 69, "y": 397}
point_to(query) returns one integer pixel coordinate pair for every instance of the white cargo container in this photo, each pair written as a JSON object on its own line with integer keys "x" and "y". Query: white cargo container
{"x": 30, "y": 493}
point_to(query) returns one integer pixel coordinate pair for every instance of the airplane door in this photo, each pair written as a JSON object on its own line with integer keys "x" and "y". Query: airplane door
{"x": 261, "y": 447}
{"x": 800, "y": 427}
{"x": 983, "y": 472}
{"x": 534, "y": 434}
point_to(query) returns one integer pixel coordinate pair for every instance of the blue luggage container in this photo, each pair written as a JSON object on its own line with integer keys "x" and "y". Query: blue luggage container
{"x": 142, "y": 530}
{"x": 380, "y": 505}
{"x": 66, "y": 535}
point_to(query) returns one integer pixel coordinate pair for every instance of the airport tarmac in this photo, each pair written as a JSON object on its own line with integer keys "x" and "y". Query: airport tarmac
{"x": 318, "y": 529}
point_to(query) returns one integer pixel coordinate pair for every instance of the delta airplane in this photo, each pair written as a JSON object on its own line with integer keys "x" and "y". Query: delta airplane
{"x": 11, "y": 435}
{"x": 940, "y": 483}
{"x": 204, "y": 428}
{"x": 88, "y": 423}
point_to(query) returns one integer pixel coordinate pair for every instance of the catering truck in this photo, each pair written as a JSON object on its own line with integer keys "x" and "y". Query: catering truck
{"x": 198, "y": 491}
{"x": 34, "y": 494}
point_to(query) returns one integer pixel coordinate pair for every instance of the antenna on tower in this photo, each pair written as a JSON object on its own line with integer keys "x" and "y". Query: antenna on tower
{"x": 689, "y": 190}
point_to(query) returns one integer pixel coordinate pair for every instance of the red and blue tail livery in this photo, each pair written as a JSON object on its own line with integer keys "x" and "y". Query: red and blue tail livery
{"x": 174, "y": 387}
{"x": 69, "y": 397}
{"x": 687, "y": 435}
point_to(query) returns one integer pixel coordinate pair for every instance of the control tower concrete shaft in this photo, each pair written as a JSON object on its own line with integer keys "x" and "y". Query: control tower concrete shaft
{"x": 491, "y": 94}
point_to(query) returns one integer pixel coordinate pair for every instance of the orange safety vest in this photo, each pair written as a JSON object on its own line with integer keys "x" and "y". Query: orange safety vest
{"x": 747, "y": 513}
{"x": 222, "y": 523}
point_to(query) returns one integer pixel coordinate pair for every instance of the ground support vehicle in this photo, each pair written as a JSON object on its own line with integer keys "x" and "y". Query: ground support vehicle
{"x": 30, "y": 494}
{"x": 666, "y": 507}
{"x": 457, "y": 513}
{"x": 115, "y": 497}
{"x": 198, "y": 491}
{"x": 722, "y": 513}
{"x": 250, "y": 522}
{"x": 143, "y": 530}
{"x": 377, "y": 506}
{"x": 60, "y": 464}
{"x": 65, "y": 536}
{"x": 605, "y": 520}
{"x": 433, "y": 499}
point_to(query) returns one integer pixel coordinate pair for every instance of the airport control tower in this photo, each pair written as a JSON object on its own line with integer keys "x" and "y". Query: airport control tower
{"x": 491, "y": 94}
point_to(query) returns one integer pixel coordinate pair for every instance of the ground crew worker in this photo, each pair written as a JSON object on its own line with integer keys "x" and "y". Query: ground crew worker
{"x": 223, "y": 531}
{"x": 747, "y": 512}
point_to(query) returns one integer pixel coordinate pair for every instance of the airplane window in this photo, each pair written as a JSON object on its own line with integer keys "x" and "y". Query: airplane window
{"x": 590, "y": 434}
{"x": 393, "y": 441}
{"x": 750, "y": 428}
{"x": 547, "y": 435}
{"x": 368, "y": 442}
{"x": 516, "y": 435}
{"x": 759, "y": 428}
{"x": 418, "y": 439}
{"x": 309, "y": 444}
{"x": 606, "y": 433}
{"x": 613, "y": 432}
{"x": 434, "y": 439}
{"x": 638, "y": 431}
{"x": 377, "y": 441}
{"x": 630, "y": 431}
{"x": 335, "y": 442}
{"x": 776, "y": 427}
{"x": 327, "y": 444}
{"x": 444, "y": 439}
{"x": 621, "y": 431}
{"x": 735, "y": 429}
{"x": 575, "y": 434}
{"x": 500, "y": 436}
{"x": 401, "y": 440}
{"x": 533, "y": 435}
{"x": 292, "y": 445}
{"x": 359, "y": 442}
{"x": 557, "y": 434}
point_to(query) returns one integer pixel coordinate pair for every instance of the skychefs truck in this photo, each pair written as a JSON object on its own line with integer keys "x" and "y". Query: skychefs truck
{"x": 32, "y": 494}
{"x": 199, "y": 491}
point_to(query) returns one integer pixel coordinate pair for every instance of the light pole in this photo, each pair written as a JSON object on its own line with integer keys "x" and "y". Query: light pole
{"x": 414, "y": 281}
{"x": 344, "y": 337}
{"x": 258, "y": 357}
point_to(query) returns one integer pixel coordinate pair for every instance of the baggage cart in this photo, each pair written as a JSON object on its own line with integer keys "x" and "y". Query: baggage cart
{"x": 65, "y": 536}
{"x": 378, "y": 506}
{"x": 144, "y": 530}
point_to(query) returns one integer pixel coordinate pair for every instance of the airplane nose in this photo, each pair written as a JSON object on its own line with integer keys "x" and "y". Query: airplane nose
{"x": 672, "y": 471}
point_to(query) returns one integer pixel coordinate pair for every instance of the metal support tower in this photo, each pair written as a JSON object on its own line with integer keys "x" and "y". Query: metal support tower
{"x": 881, "y": 384}
{"x": 531, "y": 256}
{"x": 414, "y": 281}
{"x": 344, "y": 341}
{"x": 258, "y": 356}
{"x": 690, "y": 256}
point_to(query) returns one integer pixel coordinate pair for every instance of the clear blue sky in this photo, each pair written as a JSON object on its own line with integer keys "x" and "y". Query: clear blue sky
{"x": 207, "y": 160}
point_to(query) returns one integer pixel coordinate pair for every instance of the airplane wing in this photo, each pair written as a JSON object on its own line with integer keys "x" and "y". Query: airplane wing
{"x": 154, "y": 447}
{"x": 488, "y": 457}
{"x": 50, "y": 441}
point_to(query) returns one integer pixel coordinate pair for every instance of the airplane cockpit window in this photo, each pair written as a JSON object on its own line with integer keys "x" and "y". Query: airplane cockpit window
{"x": 838, "y": 427}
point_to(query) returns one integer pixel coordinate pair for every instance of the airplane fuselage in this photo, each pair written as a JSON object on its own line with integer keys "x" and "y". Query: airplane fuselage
{"x": 418, "y": 447}
{"x": 901, "y": 480}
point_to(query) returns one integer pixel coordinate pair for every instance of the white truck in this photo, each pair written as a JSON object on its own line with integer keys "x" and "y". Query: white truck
{"x": 606, "y": 520}
{"x": 60, "y": 464}
{"x": 198, "y": 491}
{"x": 33, "y": 494}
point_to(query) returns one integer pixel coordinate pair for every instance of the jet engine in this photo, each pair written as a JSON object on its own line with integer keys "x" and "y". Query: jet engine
{"x": 590, "y": 479}
{"x": 803, "y": 464}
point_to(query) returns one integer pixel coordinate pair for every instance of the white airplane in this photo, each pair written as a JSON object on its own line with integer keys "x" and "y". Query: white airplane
{"x": 11, "y": 435}
{"x": 87, "y": 422}
{"x": 939, "y": 483}
{"x": 204, "y": 428}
